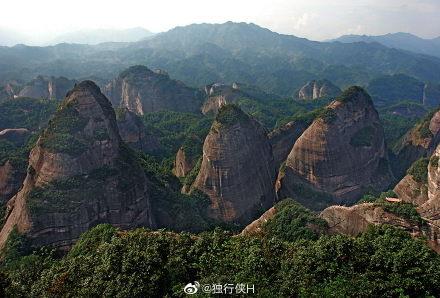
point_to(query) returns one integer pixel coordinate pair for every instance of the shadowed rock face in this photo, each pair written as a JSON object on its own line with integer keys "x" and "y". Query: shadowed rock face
{"x": 420, "y": 141}
{"x": 411, "y": 191}
{"x": 282, "y": 140}
{"x": 237, "y": 170}
{"x": 134, "y": 133}
{"x": 11, "y": 179}
{"x": 80, "y": 174}
{"x": 342, "y": 153}
{"x": 431, "y": 208}
{"x": 141, "y": 91}
{"x": 47, "y": 88}
{"x": 318, "y": 89}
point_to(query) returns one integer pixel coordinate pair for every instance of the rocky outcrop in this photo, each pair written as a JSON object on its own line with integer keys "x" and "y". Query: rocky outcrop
{"x": 237, "y": 170}
{"x": 11, "y": 178}
{"x": 134, "y": 133}
{"x": 183, "y": 163}
{"x": 256, "y": 227}
{"x": 419, "y": 142}
{"x": 219, "y": 95}
{"x": 431, "y": 208}
{"x": 142, "y": 90}
{"x": 342, "y": 153}
{"x": 411, "y": 191}
{"x": 318, "y": 89}
{"x": 80, "y": 174}
{"x": 356, "y": 219}
{"x": 47, "y": 88}
{"x": 283, "y": 138}
{"x": 431, "y": 95}
{"x": 17, "y": 136}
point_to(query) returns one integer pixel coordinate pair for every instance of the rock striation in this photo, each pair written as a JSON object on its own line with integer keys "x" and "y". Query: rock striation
{"x": 318, "y": 89}
{"x": 237, "y": 170}
{"x": 47, "y": 88}
{"x": 341, "y": 154}
{"x": 283, "y": 138}
{"x": 183, "y": 164}
{"x": 134, "y": 133}
{"x": 142, "y": 90}
{"x": 419, "y": 142}
{"x": 80, "y": 174}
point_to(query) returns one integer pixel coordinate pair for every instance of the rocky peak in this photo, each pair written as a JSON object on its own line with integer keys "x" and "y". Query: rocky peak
{"x": 420, "y": 141}
{"x": 237, "y": 170}
{"x": 318, "y": 89}
{"x": 80, "y": 174}
{"x": 142, "y": 90}
{"x": 47, "y": 88}
{"x": 219, "y": 95}
{"x": 340, "y": 154}
{"x": 134, "y": 133}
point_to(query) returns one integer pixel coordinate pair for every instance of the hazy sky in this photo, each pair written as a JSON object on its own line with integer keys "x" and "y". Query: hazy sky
{"x": 314, "y": 19}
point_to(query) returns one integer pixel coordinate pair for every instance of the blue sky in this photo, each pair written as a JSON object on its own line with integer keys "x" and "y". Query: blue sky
{"x": 314, "y": 19}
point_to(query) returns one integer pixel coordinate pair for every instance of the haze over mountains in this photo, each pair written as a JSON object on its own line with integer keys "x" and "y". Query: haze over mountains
{"x": 205, "y": 53}
{"x": 86, "y": 36}
{"x": 400, "y": 40}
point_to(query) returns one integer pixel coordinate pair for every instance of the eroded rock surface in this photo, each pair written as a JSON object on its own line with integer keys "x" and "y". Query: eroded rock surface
{"x": 318, "y": 89}
{"x": 237, "y": 170}
{"x": 342, "y": 153}
{"x": 80, "y": 174}
{"x": 142, "y": 90}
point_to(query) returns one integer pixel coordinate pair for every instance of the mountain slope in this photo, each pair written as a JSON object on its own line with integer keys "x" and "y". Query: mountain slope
{"x": 400, "y": 40}
{"x": 231, "y": 52}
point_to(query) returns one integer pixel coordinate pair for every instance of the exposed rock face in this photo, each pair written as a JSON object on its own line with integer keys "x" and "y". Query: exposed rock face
{"x": 237, "y": 170}
{"x": 411, "y": 191}
{"x": 183, "y": 164}
{"x": 282, "y": 140}
{"x": 11, "y": 179}
{"x": 219, "y": 95}
{"x": 355, "y": 220}
{"x": 47, "y": 88}
{"x": 341, "y": 153}
{"x": 318, "y": 89}
{"x": 256, "y": 226}
{"x": 141, "y": 91}
{"x": 80, "y": 174}
{"x": 17, "y": 136}
{"x": 431, "y": 209}
{"x": 420, "y": 141}
{"x": 134, "y": 133}
{"x": 431, "y": 95}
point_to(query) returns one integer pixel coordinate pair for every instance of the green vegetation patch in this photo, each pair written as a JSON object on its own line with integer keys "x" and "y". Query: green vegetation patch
{"x": 363, "y": 137}
{"x": 434, "y": 161}
{"x": 419, "y": 170}
{"x": 423, "y": 125}
{"x": 231, "y": 114}
{"x": 293, "y": 222}
{"x": 352, "y": 94}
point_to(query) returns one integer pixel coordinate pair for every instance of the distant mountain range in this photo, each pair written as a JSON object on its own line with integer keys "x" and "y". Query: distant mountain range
{"x": 404, "y": 41}
{"x": 93, "y": 37}
{"x": 200, "y": 54}
{"x": 90, "y": 37}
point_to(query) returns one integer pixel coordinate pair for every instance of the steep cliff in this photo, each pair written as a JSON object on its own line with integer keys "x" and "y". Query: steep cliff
{"x": 80, "y": 174}
{"x": 134, "y": 133}
{"x": 47, "y": 88}
{"x": 341, "y": 154}
{"x": 142, "y": 90}
{"x": 318, "y": 89}
{"x": 183, "y": 163}
{"x": 237, "y": 170}
{"x": 283, "y": 138}
{"x": 420, "y": 141}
